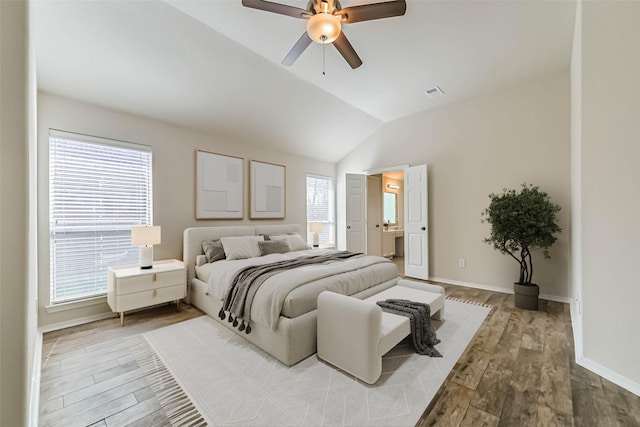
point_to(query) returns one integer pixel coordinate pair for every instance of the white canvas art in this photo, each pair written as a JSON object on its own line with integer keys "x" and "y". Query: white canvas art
{"x": 267, "y": 190}
{"x": 218, "y": 186}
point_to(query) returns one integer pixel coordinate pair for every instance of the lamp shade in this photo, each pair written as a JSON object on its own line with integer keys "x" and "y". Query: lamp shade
{"x": 145, "y": 235}
{"x": 324, "y": 27}
{"x": 315, "y": 227}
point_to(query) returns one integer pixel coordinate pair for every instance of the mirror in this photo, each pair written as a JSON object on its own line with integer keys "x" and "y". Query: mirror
{"x": 390, "y": 208}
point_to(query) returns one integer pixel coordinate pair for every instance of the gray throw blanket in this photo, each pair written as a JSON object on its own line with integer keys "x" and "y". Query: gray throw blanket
{"x": 245, "y": 284}
{"x": 419, "y": 314}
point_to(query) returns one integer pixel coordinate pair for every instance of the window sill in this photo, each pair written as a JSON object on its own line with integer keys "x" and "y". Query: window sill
{"x": 71, "y": 305}
{"x": 327, "y": 246}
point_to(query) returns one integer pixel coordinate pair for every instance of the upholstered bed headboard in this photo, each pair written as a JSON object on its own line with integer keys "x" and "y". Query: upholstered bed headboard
{"x": 193, "y": 238}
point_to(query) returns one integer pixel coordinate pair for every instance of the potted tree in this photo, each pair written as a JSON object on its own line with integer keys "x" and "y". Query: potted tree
{"x": 522, "y": 222}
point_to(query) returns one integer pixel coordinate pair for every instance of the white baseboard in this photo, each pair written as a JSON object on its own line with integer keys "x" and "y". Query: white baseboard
{"x": 607, "y": 373}
{"x": 576, "y": 325}
{"x": 75, "y": 322}
{"x": 496, "y": 289}
{"x": 614, "y": 377}
{"x": 34, "y": 390}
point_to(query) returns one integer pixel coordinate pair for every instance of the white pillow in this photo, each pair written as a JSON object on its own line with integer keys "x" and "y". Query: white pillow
{"x": 241, "y": 247}
{"x": 294, "y": 240}
{"x": 201, "y": 260}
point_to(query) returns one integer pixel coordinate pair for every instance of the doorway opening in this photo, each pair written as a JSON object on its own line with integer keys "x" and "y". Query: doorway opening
{"x": 385, "y": 216}
{"x": 370, "y": 230}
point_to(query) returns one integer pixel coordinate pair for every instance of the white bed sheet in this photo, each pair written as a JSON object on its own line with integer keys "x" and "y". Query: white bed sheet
{"x": 219, "y": 274}
{"x": 283, "y": 294}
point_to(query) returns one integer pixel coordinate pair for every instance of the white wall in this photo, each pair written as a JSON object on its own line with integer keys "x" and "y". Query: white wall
{"x": 17, "y": 329}
{"x": 472, "y": 148}
{"x": 173, "y": 178}
{"x": 576, "y": 182}
{"x": 609, "y": 179}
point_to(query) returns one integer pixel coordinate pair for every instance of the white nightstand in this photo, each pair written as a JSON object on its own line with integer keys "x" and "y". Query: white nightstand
{"x": 129, "y": 287}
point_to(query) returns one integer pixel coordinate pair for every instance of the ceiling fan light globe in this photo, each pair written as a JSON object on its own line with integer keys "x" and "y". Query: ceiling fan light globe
{"x": 324, "y": 27}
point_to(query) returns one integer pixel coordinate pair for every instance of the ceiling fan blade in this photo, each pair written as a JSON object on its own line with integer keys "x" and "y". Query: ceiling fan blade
{"x": 281, "y": 9}
{"x": 303, "y": 42}
{"x": 347, "y": 51}
{"x": 368, "y": 12}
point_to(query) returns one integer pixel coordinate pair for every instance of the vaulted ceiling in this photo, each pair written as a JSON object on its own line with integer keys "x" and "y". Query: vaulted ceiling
{"x": 216, "y": 65}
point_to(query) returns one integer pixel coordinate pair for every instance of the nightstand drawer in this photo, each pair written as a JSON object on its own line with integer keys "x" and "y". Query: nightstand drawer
{"x": 150, "y": 297}
{"x": 128, "y": 285}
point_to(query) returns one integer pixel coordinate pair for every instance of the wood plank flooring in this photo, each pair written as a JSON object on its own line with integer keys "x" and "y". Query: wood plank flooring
{"x": 518, "y": 371}
{"x": 90, "y": 377}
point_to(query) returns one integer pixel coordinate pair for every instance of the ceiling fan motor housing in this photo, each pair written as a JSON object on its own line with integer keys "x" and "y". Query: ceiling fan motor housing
{"x": 324, "y": 27}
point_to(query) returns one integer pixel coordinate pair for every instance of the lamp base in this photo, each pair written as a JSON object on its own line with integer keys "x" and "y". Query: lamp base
{"x": 146, "y": 257}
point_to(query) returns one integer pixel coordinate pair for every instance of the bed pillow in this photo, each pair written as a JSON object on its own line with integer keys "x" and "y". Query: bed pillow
{"x": 241, "y": 247}
{"x": 213, "y": 250}
{"x": 274, "y": 247}
{"x": 201, "y": 260}
{"x": 294, "y": 240}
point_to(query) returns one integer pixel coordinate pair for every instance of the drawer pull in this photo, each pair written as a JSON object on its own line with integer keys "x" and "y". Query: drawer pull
{"x": 154, "y": 293}
{"x": 155, "y": 277}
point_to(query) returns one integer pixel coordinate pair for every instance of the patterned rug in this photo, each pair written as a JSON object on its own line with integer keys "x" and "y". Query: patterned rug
{"x": 204, "y": 374}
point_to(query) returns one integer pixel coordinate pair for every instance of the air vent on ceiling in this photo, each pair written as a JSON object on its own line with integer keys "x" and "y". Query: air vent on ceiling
{"x": 433, "y": 92}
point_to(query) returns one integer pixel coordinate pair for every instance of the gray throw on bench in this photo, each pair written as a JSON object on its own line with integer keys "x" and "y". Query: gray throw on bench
{"x": 247, "y": 281}
{"x": 419, "y": 314}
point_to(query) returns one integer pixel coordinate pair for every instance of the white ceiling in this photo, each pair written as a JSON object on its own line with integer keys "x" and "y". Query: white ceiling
{"x": 215, "y": 65}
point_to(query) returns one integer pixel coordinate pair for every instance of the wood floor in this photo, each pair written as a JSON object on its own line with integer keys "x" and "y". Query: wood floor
{"x": 518, "y": 371}
{"x": 90, "y": 377}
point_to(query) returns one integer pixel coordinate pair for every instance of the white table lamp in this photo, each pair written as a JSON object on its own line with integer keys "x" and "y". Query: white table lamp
{"x": 145, "y": 236}
{"x": 315, "y": 228}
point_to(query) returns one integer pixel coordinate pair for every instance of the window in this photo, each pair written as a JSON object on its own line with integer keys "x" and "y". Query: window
{"x": 320, "y": 208}
{"x": 98, "y": 189}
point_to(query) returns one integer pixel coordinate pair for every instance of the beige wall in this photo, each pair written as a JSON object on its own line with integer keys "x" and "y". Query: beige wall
{"x": 17, "y": 329}
{"x": 472, "y": 148}
{"x": 610, "y": 177}
{"x": 173, "y": 177}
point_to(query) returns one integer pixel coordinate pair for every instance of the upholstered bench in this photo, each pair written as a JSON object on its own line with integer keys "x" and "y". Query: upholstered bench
{"x": 354, "y": 334}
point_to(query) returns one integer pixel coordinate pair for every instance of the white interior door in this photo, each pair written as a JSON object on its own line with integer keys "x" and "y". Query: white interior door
{"x": 416, "y": 234}
{"x": 374, "y": 215}
{"x": 356, "y": 213}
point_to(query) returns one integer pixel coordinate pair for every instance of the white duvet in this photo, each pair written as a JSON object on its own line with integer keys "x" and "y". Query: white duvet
{"x": 348, "y": 277}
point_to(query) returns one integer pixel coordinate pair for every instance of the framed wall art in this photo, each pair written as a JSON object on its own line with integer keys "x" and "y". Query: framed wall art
{"x": 219, "y": 185}
{"x": 267, "y": 190}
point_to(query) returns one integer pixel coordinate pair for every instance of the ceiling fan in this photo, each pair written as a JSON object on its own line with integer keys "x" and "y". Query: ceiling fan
{"x": 325, "y": 19}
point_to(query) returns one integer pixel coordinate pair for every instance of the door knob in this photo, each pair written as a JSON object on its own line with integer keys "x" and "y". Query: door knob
{"x": 348, "y": 227}
{"x": 377, "y": 225}
{"x": 423, "y": 228}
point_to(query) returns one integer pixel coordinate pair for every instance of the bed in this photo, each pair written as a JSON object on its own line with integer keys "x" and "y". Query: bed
{"x": 290, "y": 335}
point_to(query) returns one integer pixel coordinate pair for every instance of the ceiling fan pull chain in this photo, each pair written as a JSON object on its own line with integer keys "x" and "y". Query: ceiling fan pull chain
{"x": 323, "y": 46}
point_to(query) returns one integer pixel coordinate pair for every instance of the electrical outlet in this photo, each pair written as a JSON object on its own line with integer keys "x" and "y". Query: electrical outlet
{"x": 462, "y": 263}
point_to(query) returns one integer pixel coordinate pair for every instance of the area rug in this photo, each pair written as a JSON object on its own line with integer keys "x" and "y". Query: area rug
{"x": 219, "y": 378}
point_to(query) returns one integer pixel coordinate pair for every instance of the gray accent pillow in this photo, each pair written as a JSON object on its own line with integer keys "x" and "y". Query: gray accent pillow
{"x": 213, "y": 250}
{"x": 294, "y": 240}
{"x": 274, "y": 247}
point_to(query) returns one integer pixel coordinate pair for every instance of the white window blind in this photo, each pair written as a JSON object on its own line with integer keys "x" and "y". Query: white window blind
{"x": 98, "y": 189}
{"x": 320, "y": 207}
